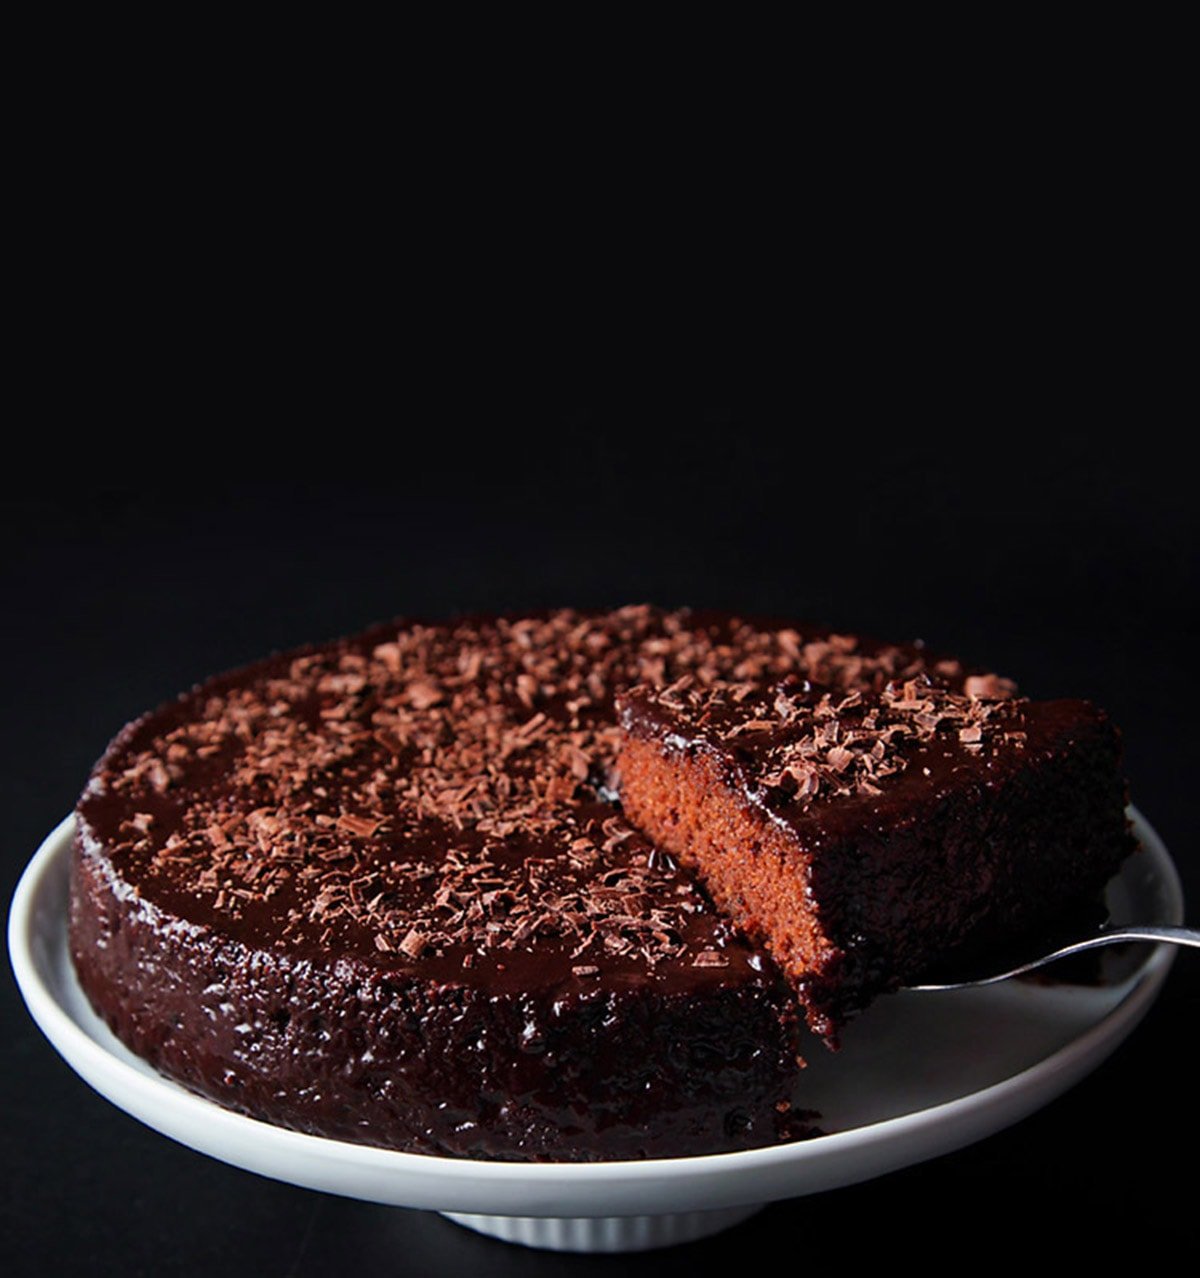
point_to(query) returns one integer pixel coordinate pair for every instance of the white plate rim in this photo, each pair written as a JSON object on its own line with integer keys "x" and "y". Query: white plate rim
{"x": 706, "y": 1182}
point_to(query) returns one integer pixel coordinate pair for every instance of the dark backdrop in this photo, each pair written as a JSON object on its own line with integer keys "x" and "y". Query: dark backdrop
{"x": 1045, "y": 553}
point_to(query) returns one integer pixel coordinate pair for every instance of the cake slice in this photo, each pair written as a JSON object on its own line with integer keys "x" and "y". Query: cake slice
{"x": 865, "y": 837}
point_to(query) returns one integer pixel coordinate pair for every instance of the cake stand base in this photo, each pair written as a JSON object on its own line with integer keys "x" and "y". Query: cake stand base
{"x": 605, "y": 1233}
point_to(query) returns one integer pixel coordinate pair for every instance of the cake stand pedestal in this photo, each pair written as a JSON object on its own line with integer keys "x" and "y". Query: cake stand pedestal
{"x": 605, "y": 1233}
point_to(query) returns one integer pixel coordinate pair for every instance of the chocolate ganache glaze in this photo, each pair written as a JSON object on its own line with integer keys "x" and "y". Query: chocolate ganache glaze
{"x": 383, "y": 890}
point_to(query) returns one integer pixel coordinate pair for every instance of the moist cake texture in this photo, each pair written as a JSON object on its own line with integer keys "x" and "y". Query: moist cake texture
{"x": 865, "y": 835}
{"x": 383, "y": 890}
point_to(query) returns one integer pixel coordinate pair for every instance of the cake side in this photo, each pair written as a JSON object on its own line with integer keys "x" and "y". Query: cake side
{"x": 570, "y": 1069}
{"x": 864, "y": 838}
{"x": 1009, "y": 843}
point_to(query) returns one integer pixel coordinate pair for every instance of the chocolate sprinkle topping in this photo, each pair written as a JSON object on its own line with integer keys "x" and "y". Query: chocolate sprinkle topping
{"x": 808, "y": 743}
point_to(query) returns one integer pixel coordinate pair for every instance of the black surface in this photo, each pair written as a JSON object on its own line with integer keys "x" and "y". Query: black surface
{"x": 1049, "y": 556}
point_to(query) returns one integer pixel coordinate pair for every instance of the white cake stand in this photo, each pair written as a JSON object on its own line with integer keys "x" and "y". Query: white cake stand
{"x": 918, "y": 1075}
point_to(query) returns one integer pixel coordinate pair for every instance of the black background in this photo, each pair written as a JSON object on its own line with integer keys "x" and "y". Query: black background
{"x": 1038, "y": 543}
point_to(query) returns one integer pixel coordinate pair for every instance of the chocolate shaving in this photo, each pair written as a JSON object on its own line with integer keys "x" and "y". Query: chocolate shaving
{"x": 364, "y": 827}
{"x": 414, "y": 944}
{"x": 989, "y": 687}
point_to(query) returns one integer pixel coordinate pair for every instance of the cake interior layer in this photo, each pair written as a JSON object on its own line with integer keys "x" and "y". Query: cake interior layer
{"x": 753, "y": 870}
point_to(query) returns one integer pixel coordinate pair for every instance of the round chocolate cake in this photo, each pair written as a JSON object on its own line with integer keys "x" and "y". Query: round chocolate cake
{"x": 384, "y": 890}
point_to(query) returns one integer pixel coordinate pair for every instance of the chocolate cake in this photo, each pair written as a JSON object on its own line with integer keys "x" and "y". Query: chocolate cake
{"x": 866, "y": 836}
{"x": 384, "y": 889}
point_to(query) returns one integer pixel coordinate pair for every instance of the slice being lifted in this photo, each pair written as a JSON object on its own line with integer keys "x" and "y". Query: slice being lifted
{"x": 866, "y": 837}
